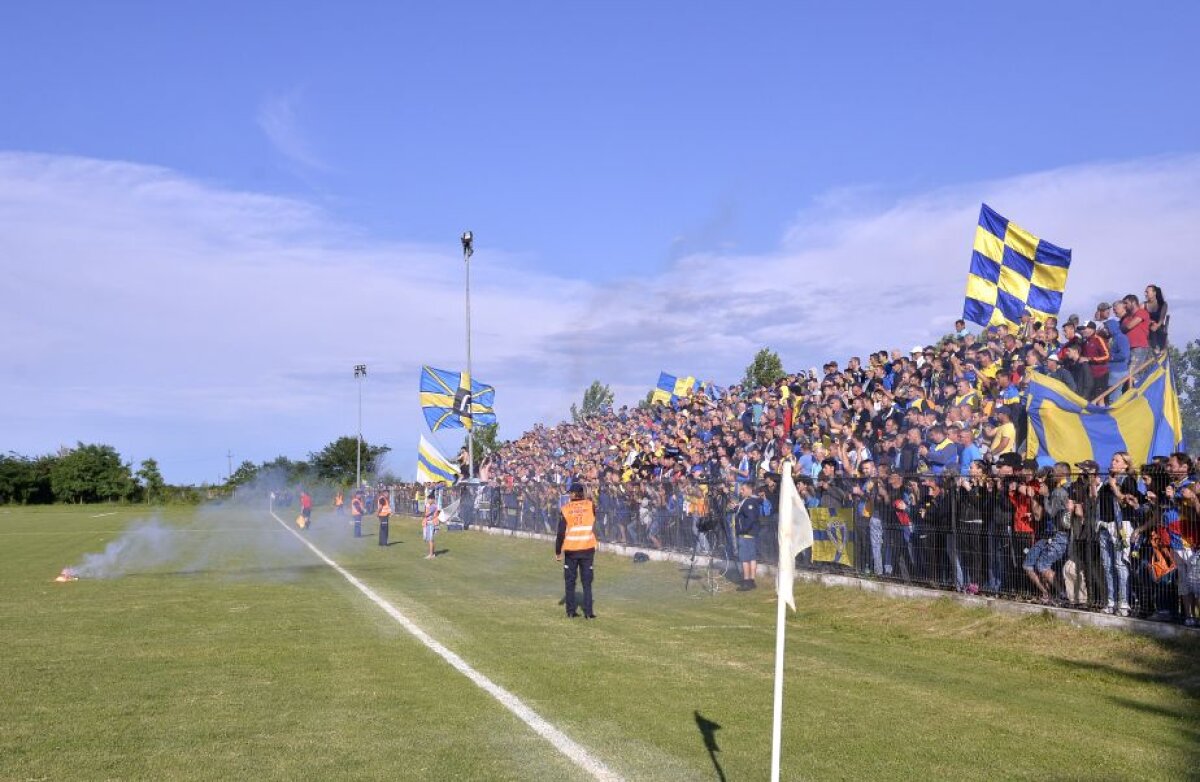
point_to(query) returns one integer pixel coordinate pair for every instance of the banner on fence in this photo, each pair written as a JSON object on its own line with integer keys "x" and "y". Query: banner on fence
{"x": 833, "y": 536}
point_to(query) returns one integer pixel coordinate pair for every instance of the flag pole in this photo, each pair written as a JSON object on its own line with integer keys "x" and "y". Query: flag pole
{"x": 777, "y": 716}
{"x": 468, "y": 251}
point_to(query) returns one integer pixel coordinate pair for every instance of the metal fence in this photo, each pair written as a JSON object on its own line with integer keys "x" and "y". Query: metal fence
{"x": 993, "y": 536}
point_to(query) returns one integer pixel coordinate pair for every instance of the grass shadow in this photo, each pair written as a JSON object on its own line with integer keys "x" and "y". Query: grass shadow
{"x": 1170, "y": 663}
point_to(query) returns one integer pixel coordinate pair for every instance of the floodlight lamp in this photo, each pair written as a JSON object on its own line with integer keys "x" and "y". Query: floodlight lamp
{"x": 467, "y": 239}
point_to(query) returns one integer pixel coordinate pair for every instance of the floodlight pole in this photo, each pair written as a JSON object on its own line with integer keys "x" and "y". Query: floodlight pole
{"x": 360, "y": 371}
{"x": 468, "y": 249}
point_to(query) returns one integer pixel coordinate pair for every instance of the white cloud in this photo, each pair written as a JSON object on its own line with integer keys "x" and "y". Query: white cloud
{"x": 277, "y": 119}
{"x": 163, "y": 315}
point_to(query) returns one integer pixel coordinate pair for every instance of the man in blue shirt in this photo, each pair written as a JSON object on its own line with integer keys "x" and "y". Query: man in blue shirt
{"x": 745, "y": 528}
{"x": 1118, "y": 346}
{"x": 968, "y": 451}
{"x": 943, "y": 452}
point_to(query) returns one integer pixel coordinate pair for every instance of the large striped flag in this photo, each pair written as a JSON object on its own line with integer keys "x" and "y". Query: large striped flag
{"x": 432, "y": 467}
{"x": 1065, "y": 427}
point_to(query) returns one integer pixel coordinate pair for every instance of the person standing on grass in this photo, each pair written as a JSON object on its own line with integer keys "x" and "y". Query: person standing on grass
{"x": 576, "y": 540}
{"x": 306, "y": 508}
{"x": 429, "y": 524}
{"x": 339, "y": 502}
{"x": 383, "y": 509}
{"x": 745, "y": 523}
{"x": 357, "y": 509}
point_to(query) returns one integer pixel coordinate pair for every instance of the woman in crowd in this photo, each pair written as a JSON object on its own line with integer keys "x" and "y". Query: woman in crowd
{"x": 1156, "y": 305}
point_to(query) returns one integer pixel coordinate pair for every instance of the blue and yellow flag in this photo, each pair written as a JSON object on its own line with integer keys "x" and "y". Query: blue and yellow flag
{"x": 432, "y": 467}
{"x": 671, "y": 388}
{"x": 448, "y": 404}
{"x": 1144, "y": 421}
{"x": 1012, "y": 271}
{"x": 833, "y": 536}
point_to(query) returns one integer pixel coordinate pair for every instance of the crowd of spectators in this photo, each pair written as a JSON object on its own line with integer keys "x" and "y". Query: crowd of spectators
{"x": 924, "y": 450}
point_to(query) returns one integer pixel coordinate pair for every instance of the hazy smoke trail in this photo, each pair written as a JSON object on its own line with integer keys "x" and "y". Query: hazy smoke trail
{"x": 142, "y": 546}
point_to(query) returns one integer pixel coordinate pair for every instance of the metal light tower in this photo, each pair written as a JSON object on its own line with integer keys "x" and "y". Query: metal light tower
{"x": 360, "y": 371}
{"x": 468, "y": 250}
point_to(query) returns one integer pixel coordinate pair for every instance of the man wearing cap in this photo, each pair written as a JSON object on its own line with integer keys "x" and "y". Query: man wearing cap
{"x": 1096, "y": 355}
{"x": 576, "y": 540}
{"x": 1055, "y": 370}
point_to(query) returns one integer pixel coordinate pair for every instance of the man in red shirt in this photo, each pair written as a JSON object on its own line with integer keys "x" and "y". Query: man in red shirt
{"x": 305, "y": 508}
{"x": 1096, "y": 356}
{"x": 1136, "y": 325}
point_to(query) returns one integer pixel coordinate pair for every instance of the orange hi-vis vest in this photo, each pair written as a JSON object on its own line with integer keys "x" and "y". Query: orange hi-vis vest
{"x": 581, "y": 517}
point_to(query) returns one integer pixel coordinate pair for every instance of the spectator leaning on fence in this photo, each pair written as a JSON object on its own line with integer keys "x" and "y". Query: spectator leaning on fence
{"x": 1051, "y": 546}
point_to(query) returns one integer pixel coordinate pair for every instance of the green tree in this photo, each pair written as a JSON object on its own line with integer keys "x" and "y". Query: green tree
{"x": 644, "y": 404}
{"x": 766, "y": 369}
{"x": 246, "y": 472}
{"x": 1185, "y": 364}
{"x": 596, "y": 398}
{"x": 337, "y": 461}
{"x": 91, "y": 473}
{"x": 25, "y": 480}
{"x": 485, "y": 441}
{"x": 151, "y": 479}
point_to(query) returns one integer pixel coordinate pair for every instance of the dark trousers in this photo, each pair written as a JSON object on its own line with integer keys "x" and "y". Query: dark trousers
{"x": 358, "y": 526}
{"x": 383, "y": 529}
{"x": 970, "y": 548}
{"x": 579, "y": 563}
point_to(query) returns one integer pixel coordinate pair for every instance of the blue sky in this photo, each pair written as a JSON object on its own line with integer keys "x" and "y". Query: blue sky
{"x": 213, "y": 186}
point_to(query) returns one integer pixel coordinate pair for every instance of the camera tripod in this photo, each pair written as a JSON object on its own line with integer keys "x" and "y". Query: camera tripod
{"x": 714, "y": 563}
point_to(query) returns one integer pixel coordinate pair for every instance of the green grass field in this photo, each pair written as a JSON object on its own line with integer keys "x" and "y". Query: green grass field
{"x": 245, "y": 657}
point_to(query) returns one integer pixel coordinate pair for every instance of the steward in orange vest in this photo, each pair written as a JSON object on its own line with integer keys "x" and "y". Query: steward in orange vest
{"x": 577, "y": 541}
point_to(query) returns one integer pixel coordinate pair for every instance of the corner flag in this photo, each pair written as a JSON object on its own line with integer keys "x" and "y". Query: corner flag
{"x": 795, "y": 535}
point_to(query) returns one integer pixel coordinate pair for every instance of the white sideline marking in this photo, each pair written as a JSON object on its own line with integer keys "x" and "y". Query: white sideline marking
{"x": 102, "y": 515}
{"x": 563, "y": 743}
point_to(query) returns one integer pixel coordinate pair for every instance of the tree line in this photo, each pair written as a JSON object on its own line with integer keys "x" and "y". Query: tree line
{"x": 95, "y": 472}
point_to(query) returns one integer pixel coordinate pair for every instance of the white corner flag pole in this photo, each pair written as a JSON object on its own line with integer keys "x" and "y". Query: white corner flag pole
{"x": 777, "y": 717}
{"x": 795, "y": 535}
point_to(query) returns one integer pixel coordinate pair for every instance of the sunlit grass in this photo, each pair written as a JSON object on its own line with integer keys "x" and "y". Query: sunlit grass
{"x": 246, "y": 657}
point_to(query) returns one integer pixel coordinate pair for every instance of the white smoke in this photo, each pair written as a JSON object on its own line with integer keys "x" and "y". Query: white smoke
{"x": 143, "y": 546}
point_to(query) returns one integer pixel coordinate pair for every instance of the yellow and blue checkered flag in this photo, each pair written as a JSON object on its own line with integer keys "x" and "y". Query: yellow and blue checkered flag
{"x": 671, "y": 388}
{"x": 1013, "y": 271}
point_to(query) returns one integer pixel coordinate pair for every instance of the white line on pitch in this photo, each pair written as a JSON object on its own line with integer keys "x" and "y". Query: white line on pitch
{"x": 561, "y": 741}
{"x": 102, "y": 515}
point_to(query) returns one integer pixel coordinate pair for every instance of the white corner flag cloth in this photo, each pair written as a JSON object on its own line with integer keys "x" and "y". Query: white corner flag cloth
{"x": 795, "y": 534}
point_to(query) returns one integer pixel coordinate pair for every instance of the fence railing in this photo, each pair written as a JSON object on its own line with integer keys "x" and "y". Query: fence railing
{"x": 986, "y": 537}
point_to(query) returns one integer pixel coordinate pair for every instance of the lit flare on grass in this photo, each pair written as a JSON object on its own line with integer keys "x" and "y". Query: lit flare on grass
{"x": 66, "y": 575}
